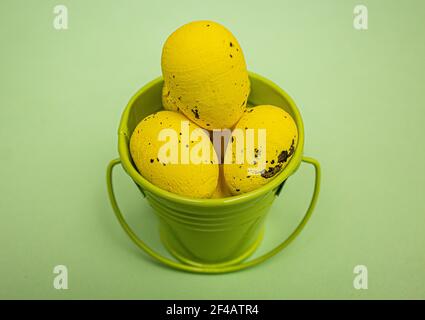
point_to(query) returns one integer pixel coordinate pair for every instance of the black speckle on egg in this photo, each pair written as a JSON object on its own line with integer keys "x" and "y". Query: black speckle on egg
{"x": 231, "y": 44}
{"x": 230, "y": 56}
{"x": 237, "y": 190}
{"x": 195, "y": 111}
{"x": 152, "y": 160}
{"x": 286, "y": 154}
{"x": 270, "y": 172}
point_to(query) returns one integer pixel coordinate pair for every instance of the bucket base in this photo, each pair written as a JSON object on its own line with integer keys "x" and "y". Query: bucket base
{"x": 233, "y": 261}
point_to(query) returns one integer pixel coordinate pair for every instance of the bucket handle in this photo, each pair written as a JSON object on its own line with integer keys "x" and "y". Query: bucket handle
{"x": 205, "y": 269}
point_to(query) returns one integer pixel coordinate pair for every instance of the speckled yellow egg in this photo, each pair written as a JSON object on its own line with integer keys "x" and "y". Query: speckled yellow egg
{"x": 270, "y": 139}
{"x": 175, "y": 154}
{"x": 205, "y": 75}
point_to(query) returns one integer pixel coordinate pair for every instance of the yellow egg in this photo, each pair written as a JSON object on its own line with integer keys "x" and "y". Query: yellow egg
{"x": 222, "y": 190}
{"x": 205, "y": 75}
{"x": 270, "y": 138}
{"x": 175, "y": 154}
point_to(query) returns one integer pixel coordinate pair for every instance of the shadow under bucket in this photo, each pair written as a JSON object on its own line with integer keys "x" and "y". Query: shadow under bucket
{"x": 209, "y": 235}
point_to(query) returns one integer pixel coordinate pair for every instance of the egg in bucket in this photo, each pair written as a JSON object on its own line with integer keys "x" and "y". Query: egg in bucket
{"x": 210, "y": 235}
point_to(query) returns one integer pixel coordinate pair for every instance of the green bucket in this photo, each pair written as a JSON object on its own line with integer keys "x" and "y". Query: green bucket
{"x": 209, "y": 235}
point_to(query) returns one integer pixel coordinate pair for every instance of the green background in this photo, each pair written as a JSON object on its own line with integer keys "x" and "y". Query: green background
{"x": 361, "y": 94}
